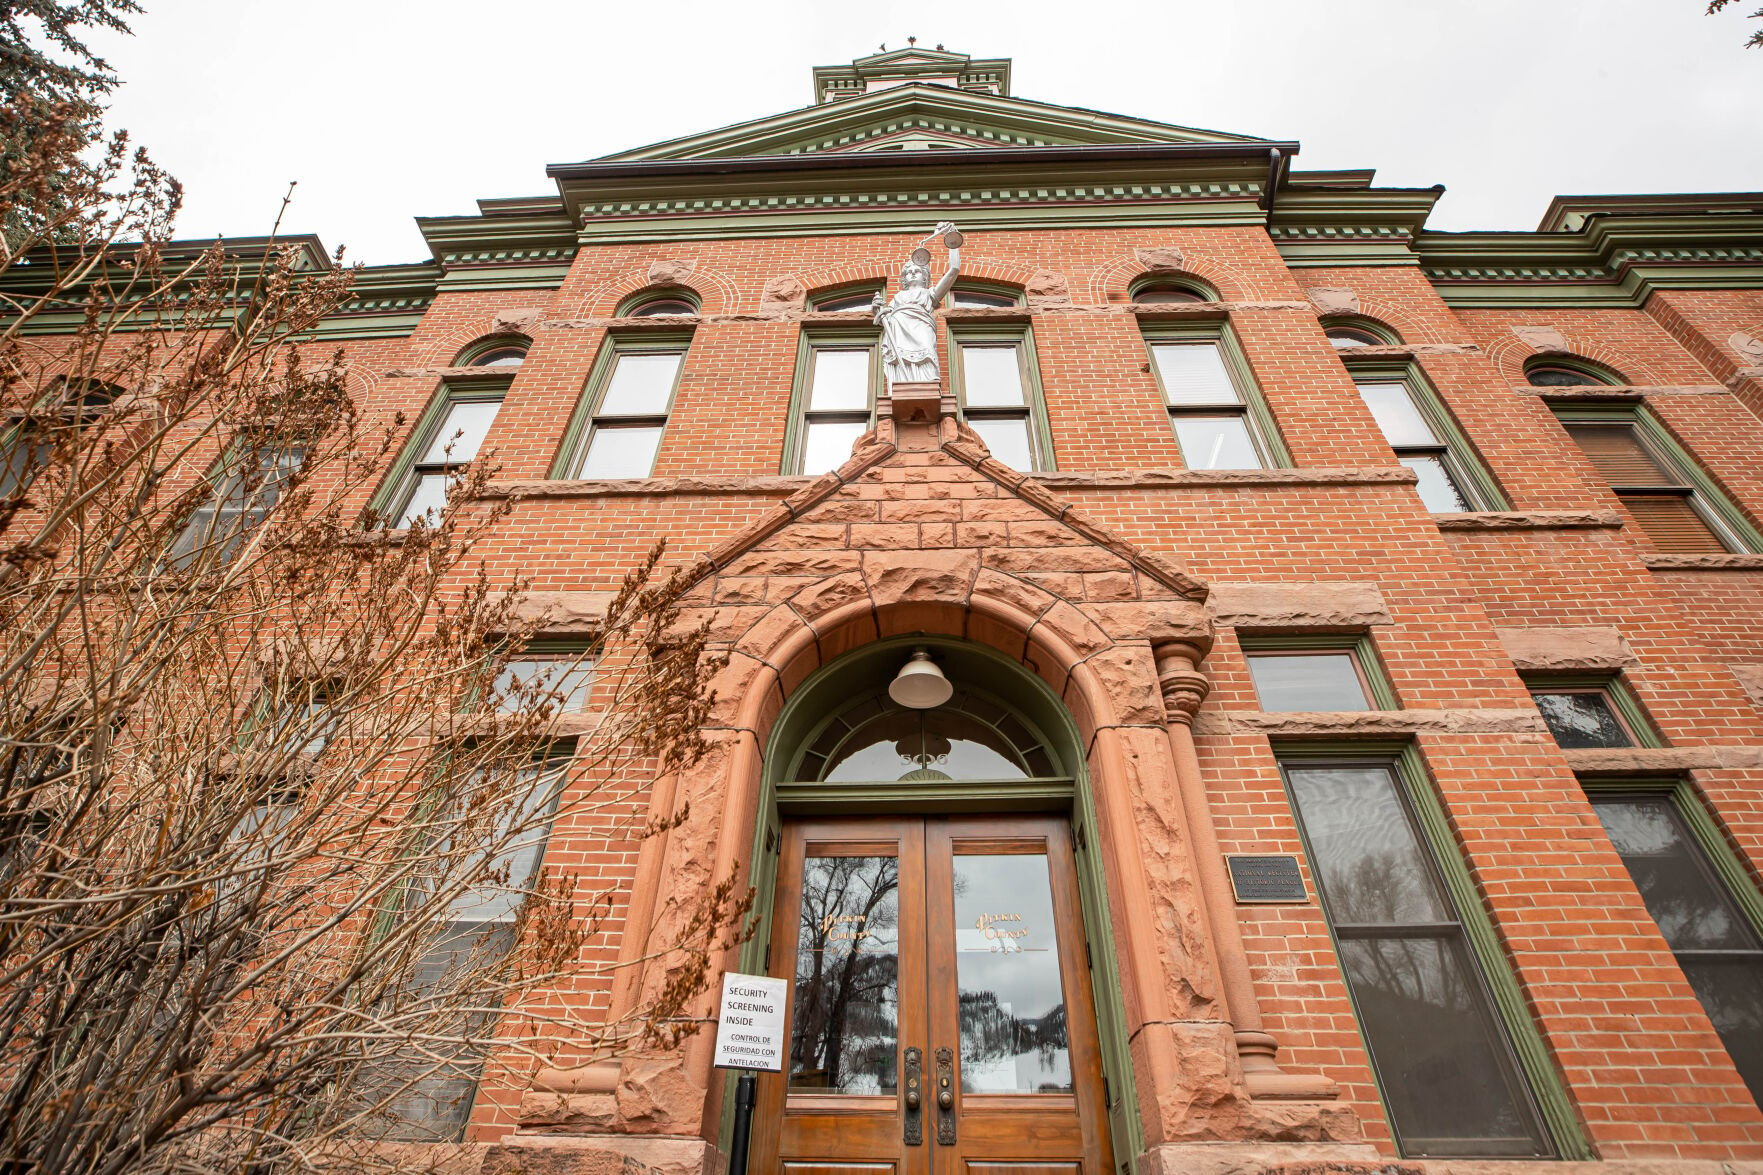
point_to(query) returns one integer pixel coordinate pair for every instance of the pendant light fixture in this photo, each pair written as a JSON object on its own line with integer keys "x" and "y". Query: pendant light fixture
{"x": 920, "y": 685}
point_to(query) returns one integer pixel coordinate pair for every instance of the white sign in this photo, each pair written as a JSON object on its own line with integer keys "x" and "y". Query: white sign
{"x": 750, "y": 1029}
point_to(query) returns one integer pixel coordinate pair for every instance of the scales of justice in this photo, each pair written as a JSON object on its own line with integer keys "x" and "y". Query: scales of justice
{"x": 908, "y": 321}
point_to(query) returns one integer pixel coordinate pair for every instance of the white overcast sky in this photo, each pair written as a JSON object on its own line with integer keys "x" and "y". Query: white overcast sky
{"x": 388, "y": 109}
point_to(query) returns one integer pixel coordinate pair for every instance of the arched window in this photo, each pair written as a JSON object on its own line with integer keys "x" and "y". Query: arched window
{"x": 840, "y": 301}
{"x": 650, "y": 304}
{"x": 972, "y": 299}
{"x": 1157, "y": 293}
{"x": 970, "y": 737}
{"x": 1344, "y": 336}
{"x": 1555, "y": 373}
{"x": 498, "y": 352}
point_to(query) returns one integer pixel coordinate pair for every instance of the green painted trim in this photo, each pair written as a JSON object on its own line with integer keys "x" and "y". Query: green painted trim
{"x": 1026, "y": 795}
{"x": 1461, "y": 458}
{"x": 1360, "y": 646}
{"x": 1710, "y": 837}
{"x": 1263, "y": 429}
{"x": 1433, "y": 823}
{"x": 1036, "y": 705}
{"x": 1615, "y": 688}
{"x": 854, "y": 336}
{"x": 1021, "y": 336}
{"x": 1716, "y": 507}
{"x": 573, "y": 448}
{"x": 397, "y": 485}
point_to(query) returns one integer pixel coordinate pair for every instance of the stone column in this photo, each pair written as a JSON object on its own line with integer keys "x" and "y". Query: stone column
{"x": 1184, "y": 687}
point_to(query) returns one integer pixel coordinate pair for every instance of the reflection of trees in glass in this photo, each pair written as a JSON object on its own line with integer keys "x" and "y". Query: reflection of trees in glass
{"x": 989, "y": 1033}
{"x": 847, "y": 975}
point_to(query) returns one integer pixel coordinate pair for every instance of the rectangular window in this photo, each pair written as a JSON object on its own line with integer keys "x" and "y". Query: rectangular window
{"x": 1451, "y": 1079}
{"x": 1699, "y": 907}
{"x": 247, "y": 484}
{"x": 1427, "y": 441}
{"x": 1325, "y": 672}
{"x": 1218, "y": 416}
{"x": 557, "y": 674}
{"x": 477, "y": 925}
{"x": 623, "y": 415}
{"x": 837, "y": 379}
{"x": 997, "y": 385}
{"x": 445, "y": 442}
{"x": 1672, "y": 501}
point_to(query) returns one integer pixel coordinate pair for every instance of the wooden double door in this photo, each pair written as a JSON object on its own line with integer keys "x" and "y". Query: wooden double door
{"x": 940, "y": 1003}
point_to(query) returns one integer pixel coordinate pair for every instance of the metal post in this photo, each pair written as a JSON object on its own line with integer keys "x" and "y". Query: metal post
{"x": 737, "y": 1147}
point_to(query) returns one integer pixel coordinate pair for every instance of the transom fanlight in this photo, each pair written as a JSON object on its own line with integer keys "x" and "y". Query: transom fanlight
{"x": 971, "y": 737}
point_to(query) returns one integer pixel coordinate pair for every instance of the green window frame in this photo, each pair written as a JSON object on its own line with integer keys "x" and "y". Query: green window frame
{"x": 1221, "y": 414}
{"x": 1426, "y": 439}
{"x": 823, "y": 427}
{"x": 1468, "y": 925}
{"x": 559, "y": 671}
{"x": 1018, "y": 428}
{"x": 628, "y": 432}
{"x": 1358, "y": 647}
{"x": 244, "y": 486}
{"x": 438, "y": 1103}
{"x": 845, "y": 299}
{"x": 983, "y": 295}
{"x": 430, "y": 461}
{"x": 1729, "y": 884}
{"x": 1668, "y": 505}
{"x": 1617, "y": 697}
{"x": 495, "y": 351}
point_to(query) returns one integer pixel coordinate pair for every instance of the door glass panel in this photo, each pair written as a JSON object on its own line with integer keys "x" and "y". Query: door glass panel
{"x": 846, "y": 997}
{"x": 1012, "y": 1003}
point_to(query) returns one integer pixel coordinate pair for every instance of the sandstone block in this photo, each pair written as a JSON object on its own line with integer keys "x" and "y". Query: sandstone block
{"x": 782, "y": 293}
{"x": 886, "y": 536}
{"x": 670, "y": 273}
{"x": 944, "y": 510}
{"x": 1333, "y": 300}
{"x": 1541, "y": 338}
{"x": 1161, "y": 259}
{"x": 1569, "y": 647}
{"x": 817, "y": 599}
{"x": 1053, "y": 559}
{"x": 982, "y": 534}
{"x": 1025, "y": 597}
{"x": 1158, "y": 622}
{"x": 1297, "y": 605}
{"x": 1043, "y": 534}
{"x": 816, "y": 563}
{"x": 1750, "y": 676}
{"x": 943, "y": 577}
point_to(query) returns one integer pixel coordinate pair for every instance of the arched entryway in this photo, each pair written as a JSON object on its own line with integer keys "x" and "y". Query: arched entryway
{"x": 933, "y": 904}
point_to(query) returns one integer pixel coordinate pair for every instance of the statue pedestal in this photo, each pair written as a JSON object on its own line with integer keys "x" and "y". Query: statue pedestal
{"x": 918, "y": 402}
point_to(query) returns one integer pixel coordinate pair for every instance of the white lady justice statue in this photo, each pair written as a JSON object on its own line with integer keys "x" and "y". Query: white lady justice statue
{"x": 909, "y": 324}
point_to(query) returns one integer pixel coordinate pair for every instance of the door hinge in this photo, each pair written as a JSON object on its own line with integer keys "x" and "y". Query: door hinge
{"x": 1089, "y": 959}
{"x": 767, "y": 965}
{"x": 1107, "y": 1094}
{"x": 1078, "y": 840}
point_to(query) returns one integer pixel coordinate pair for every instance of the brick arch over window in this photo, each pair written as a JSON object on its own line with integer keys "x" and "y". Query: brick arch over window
{"x": 717, "y": 292}
{"x": 1112, "y": 284}
{"x": 1384, "y": 314}
{"x": 817, "y": 282}
{"x": 441, "y": 350}
{"x": 1511, "y": 354}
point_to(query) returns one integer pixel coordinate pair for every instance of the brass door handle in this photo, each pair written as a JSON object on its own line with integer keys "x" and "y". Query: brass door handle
{"x": 912, "y": 1132}
{"x": 945, "y": 1097}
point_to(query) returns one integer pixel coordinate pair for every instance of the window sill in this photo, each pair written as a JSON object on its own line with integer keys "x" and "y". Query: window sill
{"x": 1530, "y": 520}
{"x": 1358, "y": 724}
{"x": 1403, "y": 350}
{"x": 1651, "y": 760}
{"x": 1705, "y": 562}
{"x": 1317, "y": 475}
{"x": 780, "y": 487}
{"x": 456, "y": 375}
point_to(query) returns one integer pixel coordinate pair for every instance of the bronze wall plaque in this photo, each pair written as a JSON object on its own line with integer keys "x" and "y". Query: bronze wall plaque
{"x": 1267, "y": 877}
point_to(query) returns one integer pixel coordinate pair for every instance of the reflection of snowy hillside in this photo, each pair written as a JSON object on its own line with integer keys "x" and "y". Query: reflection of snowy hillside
{"x": 1002, "y": 1053}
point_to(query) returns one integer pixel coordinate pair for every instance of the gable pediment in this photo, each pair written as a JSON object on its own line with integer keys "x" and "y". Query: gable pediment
{"x": 923, "y": 116}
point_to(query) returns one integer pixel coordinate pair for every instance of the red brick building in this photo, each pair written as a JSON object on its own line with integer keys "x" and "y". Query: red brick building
{"x": 1355, "y": 749}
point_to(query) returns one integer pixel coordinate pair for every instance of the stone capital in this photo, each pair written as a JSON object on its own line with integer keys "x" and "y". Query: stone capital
{"x": 1183, "y": 685}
